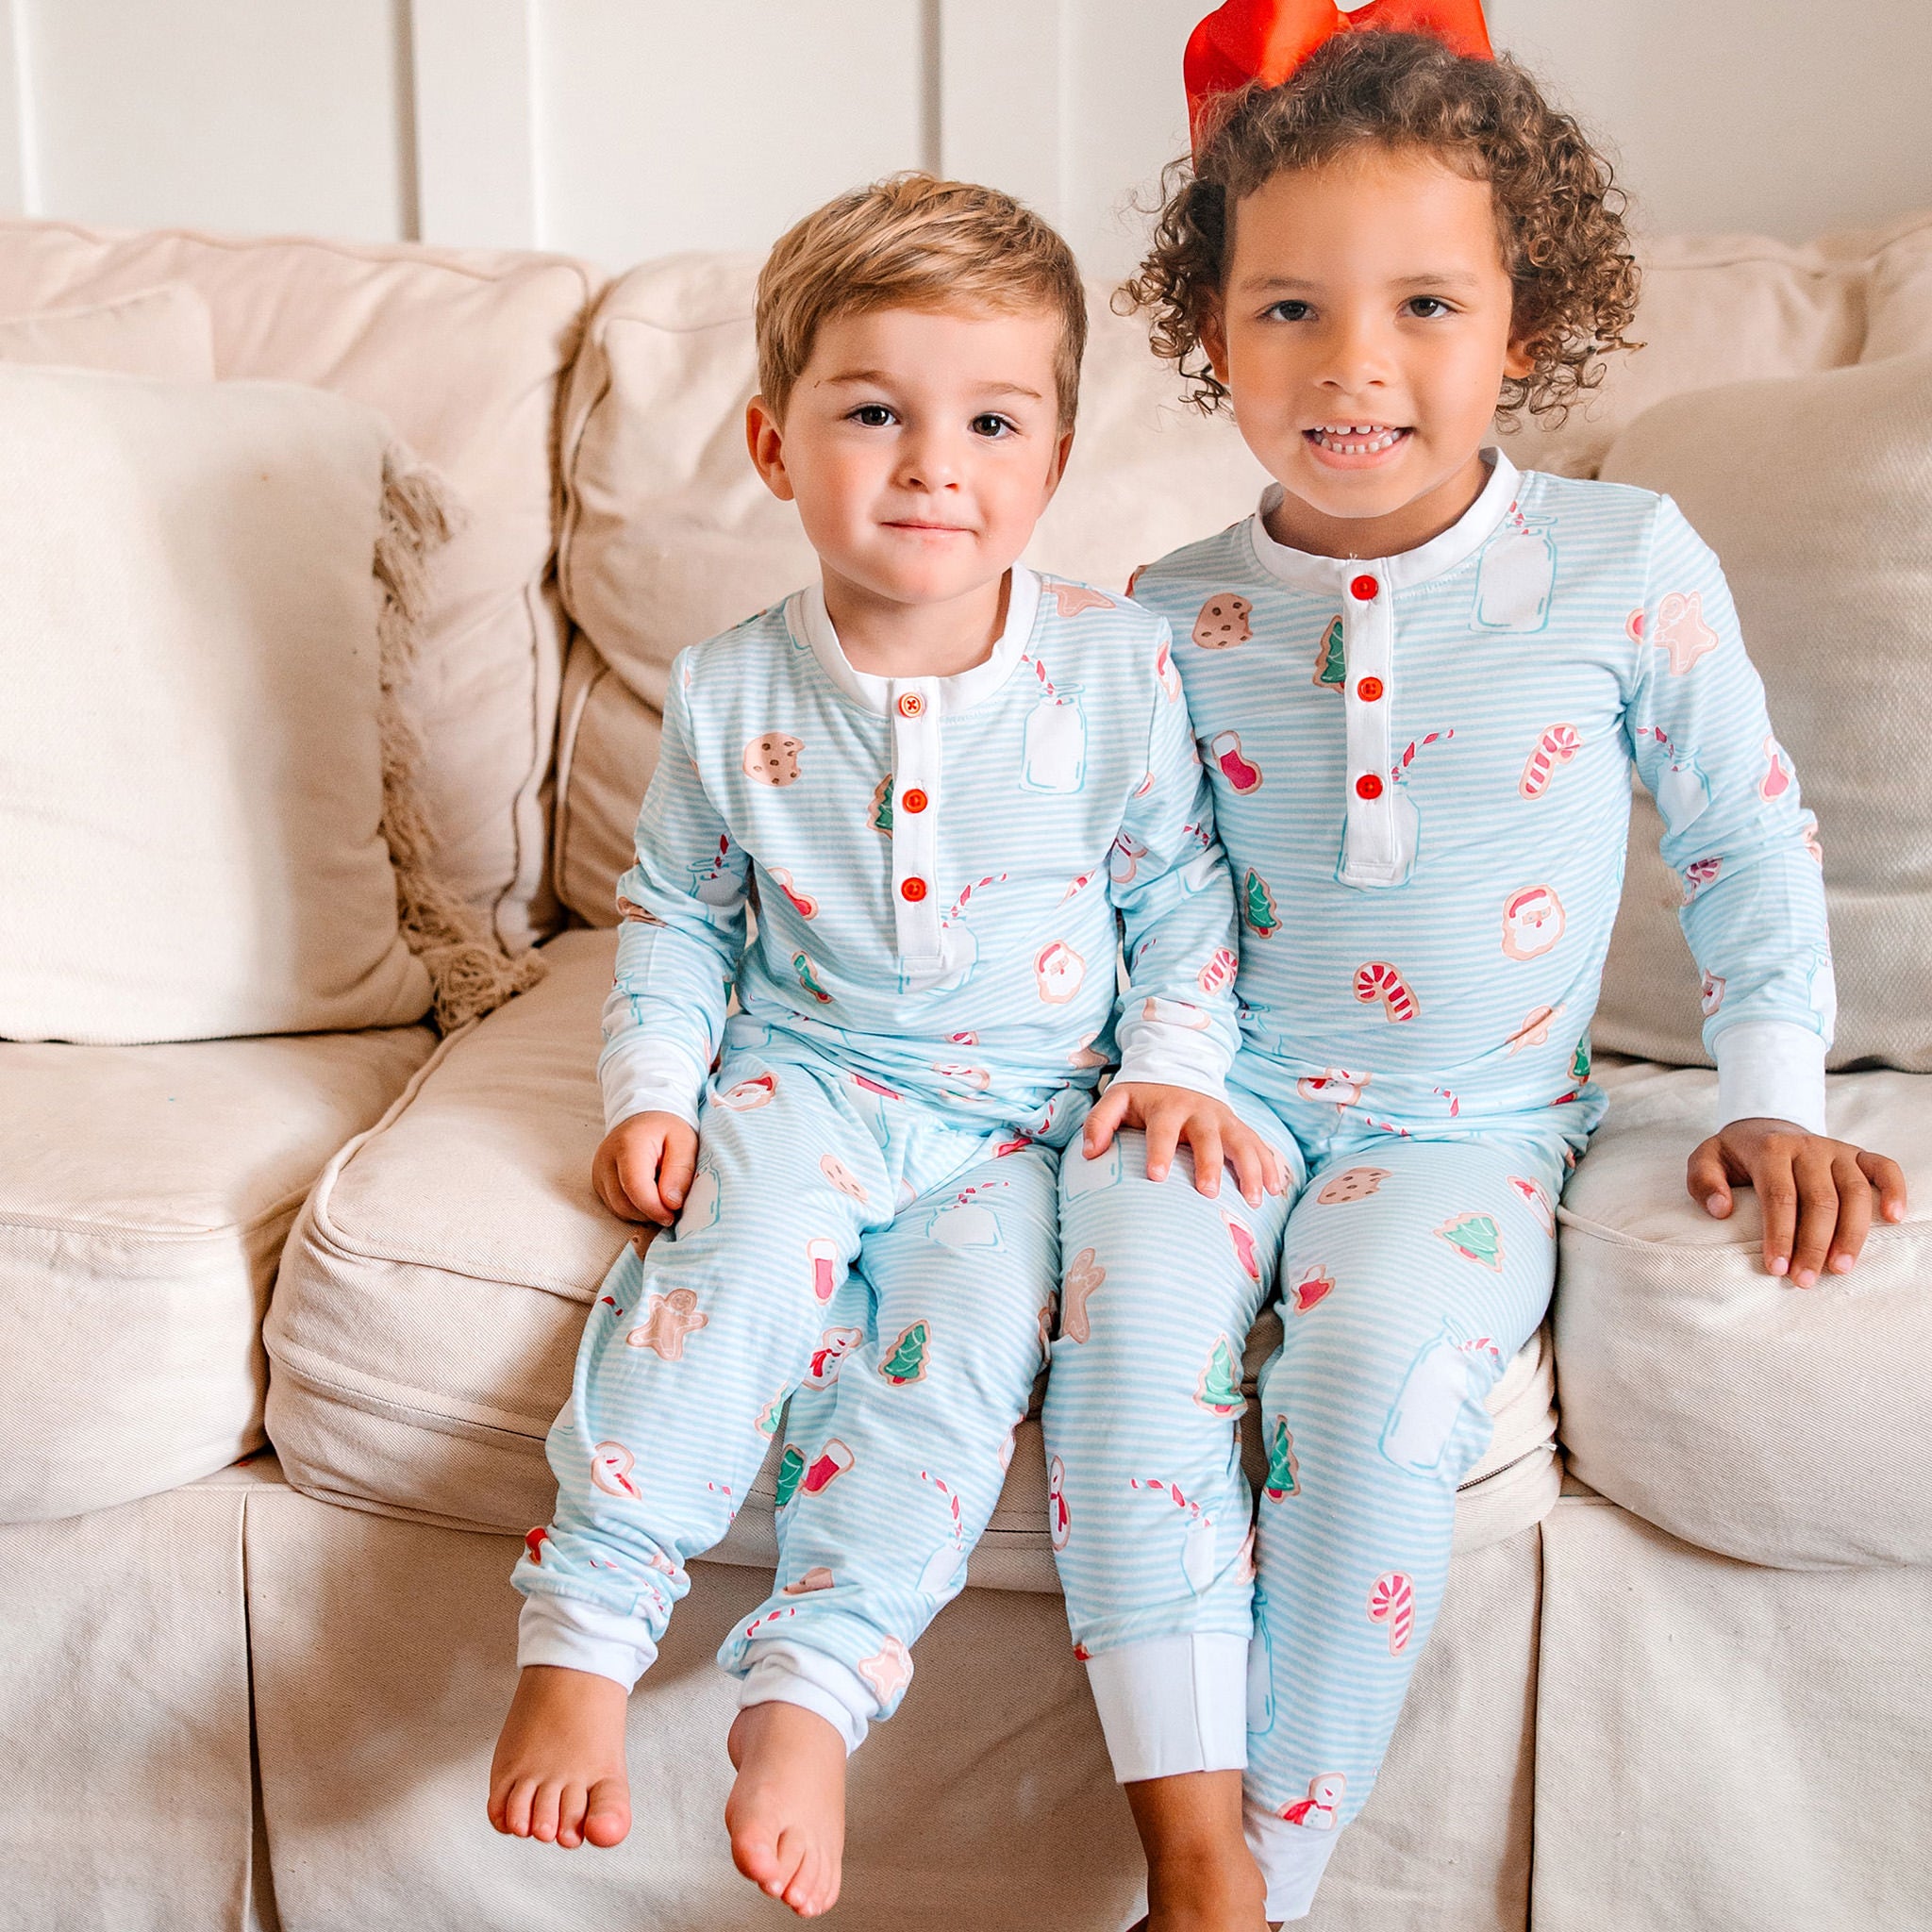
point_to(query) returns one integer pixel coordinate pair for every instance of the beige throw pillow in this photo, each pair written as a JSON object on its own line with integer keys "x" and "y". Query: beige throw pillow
{"x": 1816, "y": 493}
{"x": 164, "y": 332}
{"x": 207, "y": 596}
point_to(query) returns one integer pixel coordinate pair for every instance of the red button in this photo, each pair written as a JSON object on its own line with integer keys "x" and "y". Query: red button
{"x": 1364, "y": 589}
{"x": 913, "y": 889}
{"x": 1368, "y": 786}
{"x": 912, "y": 705}
{"x": 1369, "y": 690}
{"x": 914, "y": 800}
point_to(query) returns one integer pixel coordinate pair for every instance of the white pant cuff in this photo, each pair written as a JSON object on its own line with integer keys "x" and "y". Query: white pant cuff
{"x": 576, "y": 1636}
{"x": 787, "y": 1673}
{"x": 1291, "y": 1856}
{"x": 1174, "y": 1704}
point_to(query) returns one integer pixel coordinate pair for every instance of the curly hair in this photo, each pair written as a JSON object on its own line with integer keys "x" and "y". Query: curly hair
{"x": 1560, "y": 214}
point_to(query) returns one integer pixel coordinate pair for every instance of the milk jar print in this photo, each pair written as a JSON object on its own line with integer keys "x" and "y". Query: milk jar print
{"x": 1056, "y": 752}
{"x": 1515, "y": 575}
{"x": 1427, "y": 1407}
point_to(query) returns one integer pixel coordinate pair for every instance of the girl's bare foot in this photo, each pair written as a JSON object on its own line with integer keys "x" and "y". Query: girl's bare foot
{"x": 787, "y": 1811}
{"x": 558, "y": 1774}
{"x": 1201, "y": 1877}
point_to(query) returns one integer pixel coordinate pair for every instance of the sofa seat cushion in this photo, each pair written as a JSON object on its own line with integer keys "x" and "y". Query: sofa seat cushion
{"x": 431, "y": 1296}
{"x": 145, "y": 1195}
{"x": 1779, "y": 1424}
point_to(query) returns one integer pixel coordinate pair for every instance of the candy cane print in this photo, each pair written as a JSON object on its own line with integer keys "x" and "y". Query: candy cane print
{"x": 1378, "y": 980}
{"x": 1392, "y": 1601}
{"x": 1556, "y": 746}
{"x": 1197, "y": 1543}
{"x": 1454, "y": 1105}
{"x": 977, "y": 886}
{"x": 952, "y": 1506}
{"x": 1400, "y": 769}
{"x": 770, "y": 1617}
{"x": 724, "y": 1490}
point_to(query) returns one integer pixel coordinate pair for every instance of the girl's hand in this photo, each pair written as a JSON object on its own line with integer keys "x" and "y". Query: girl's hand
{"x": 1816, "y": 1194}
{"x": 1210, "y": 1128}
{"x": 644, "y": 1166}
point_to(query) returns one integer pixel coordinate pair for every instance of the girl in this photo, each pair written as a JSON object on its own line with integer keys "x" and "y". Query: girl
{"x": 1419, "y": 679}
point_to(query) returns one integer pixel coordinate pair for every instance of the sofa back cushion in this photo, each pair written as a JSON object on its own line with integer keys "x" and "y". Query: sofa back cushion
{"x": 464, "y": 354}
{"x": 1816, "y": 492}
{"x": 164, "y": 332}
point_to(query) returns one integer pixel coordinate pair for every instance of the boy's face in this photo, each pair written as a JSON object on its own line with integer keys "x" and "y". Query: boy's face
{"x": 1364, "y": 334}
{"x": 921, "y": 447}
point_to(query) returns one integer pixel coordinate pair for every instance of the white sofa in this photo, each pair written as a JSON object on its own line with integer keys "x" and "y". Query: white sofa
{"x": 283, "y": 1322}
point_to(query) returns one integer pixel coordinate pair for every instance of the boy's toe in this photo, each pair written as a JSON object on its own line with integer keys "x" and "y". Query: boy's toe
{"x": 570, "y": 1817}
{"x": 543, "y": 1807}
{"x": 516, "y": 1806}
{"x": 608, "y": 1817}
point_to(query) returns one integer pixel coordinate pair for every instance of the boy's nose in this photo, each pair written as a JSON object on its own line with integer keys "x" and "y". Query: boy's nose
{"x": 929, "y": 463}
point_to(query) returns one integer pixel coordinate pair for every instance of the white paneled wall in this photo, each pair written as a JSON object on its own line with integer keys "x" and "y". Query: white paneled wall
{"x": 621, "y": 128}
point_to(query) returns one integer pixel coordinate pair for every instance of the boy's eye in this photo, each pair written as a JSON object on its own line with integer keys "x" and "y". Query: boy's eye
{"x": 990, "y": 426}
{"x": 1427, "y": 307}
{"x": 1286, "y": 311}
{"x": 872, "y": 416}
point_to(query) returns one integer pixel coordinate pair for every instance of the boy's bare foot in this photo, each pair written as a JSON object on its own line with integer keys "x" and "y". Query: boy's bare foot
{"x": 787, "y": 1811}
{"x": 558, "y": 1774}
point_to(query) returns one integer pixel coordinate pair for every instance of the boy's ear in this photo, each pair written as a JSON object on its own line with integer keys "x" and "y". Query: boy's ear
{"x": 1213, "y": 337}
{"x": 1062, "y": 450}
{"x": 764, "y": 436}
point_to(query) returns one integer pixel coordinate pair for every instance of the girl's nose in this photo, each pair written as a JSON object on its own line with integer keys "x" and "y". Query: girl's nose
{"x": 1355, "y": 356}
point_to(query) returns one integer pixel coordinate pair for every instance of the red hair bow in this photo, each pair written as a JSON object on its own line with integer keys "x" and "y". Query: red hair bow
{"x": 1266, "y": 40}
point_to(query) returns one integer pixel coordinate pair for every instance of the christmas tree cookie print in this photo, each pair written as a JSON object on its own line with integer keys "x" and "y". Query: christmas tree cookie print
{"x": 906, "y": 1361}
{"x": 881, "y": 817}
{"x": 1219, "y": 1388}
{"x": 1330, "y": 668}
{"x": 1257, "y": 907}
{"x": 1579, "y": 1061}
{"x": 790, "y": 1472}
{"x": 1477, "y": 1237}
{"x": 1284, "y": 1471}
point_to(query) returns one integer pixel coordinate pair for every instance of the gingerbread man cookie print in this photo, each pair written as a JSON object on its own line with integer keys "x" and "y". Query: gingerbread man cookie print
{"x": 668, "y": 1319}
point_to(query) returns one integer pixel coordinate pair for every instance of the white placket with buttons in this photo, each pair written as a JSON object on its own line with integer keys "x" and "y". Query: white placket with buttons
{"x": 1379, "y": 843}
{"x": 913, "y": 707}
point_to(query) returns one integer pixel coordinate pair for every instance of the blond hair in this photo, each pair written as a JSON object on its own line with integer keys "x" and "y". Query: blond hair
{"x": 912, "y": 242}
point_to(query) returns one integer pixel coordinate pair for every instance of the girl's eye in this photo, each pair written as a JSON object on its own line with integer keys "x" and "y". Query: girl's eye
{"x": 1286, "y": 311}
{"x": 1427, "y": 307}
{"x": 990, "y": 426}
{"x": 872, "y": 416}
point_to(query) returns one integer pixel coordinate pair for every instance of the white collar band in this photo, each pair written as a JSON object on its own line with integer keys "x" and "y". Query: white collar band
{"x": 1330, "y": 576}
{"x": 811, "y": 624}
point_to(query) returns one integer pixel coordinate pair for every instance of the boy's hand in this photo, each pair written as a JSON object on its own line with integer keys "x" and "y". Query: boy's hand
{"x": 1816, "y": 1194}
{"x": 1210, "y": 1128}
{"x": 643, "y": 1166}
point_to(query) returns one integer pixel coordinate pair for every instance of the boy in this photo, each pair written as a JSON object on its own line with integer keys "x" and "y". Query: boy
{"x": 942, "y": 781}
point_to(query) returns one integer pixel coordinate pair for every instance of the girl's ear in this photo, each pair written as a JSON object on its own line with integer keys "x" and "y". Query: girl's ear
{"x": 1213, "y": 337}
{"x": 1517, "y": 360}
{"x": 764, "y": 436}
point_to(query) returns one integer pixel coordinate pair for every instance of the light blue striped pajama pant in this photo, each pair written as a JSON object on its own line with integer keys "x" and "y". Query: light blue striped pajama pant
{"x": 833, "y": 1233}
{"x": 1409, "y": 1271}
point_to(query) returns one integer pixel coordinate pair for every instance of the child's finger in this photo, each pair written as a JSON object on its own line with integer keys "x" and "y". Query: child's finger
{"x": 1249, "y": 1154}
{"x": 1817, "y": 1214}
{"x": 675, "y": 1171}
{"x": 1854, "y": 1213}
{"x": 1778, "y": 1196}
{"x": 1162, "y": 1135}
{"x": 1888, "y": 1177}
{"x": 1104, "y": 1122}
{"x": 1204, "y": 1136}
{"x": 637, "y": 1167}
{"x": 1708, "y": 1184}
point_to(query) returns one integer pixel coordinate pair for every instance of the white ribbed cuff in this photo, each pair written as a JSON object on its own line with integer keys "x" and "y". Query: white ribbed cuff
{"x": 649, "y": 1077}
{"x": 1174, "y": 1704}
{"x": 786, "y": 1674}
{"x": 1172, "y": 1059}
{"x": 576, "y": 1636}
{"x": 1772, "y": 1070}
{"x": 1291, "y": 1856}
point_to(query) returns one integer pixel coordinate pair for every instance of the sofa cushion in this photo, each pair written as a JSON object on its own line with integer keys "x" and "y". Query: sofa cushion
{"x": 668, "y": 536}
{"x": 1720, "y": 309}
{"x": 465, "y": 353}
{"x": 144, "y": 1194}
{"x": 1817, "y": 493}
{"x": 431, "y": 1296}
{"x": 1780, "y": 1425}
{"x": 166, "y": 333}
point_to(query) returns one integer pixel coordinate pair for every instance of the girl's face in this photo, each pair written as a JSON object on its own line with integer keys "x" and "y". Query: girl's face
{"x": 1363, "y": 334}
